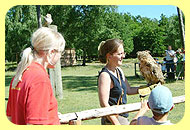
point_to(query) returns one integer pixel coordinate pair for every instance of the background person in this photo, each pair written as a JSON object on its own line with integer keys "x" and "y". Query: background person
{"x": 31, "y": 99}
{"x": 113, "y": 87}
{"x": 163, "y": 67}
{"x": 170, "y": 55}
{"x": 180, "y": 64}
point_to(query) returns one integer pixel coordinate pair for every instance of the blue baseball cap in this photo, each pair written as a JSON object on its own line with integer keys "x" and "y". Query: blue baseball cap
{"x": 160, "y": 99}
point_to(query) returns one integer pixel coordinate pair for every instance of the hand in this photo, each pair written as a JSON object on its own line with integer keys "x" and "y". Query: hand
{"x": 144, "y": 106}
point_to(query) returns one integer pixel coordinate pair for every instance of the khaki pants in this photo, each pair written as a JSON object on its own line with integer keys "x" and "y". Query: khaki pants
{"x": 122, "y": 121}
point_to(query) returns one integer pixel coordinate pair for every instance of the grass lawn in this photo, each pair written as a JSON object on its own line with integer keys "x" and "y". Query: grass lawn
{"x": 80, "y": 90}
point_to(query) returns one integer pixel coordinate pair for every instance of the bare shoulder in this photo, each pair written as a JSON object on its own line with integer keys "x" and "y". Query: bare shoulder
{"x": 104, "y": 79}
{"x": 104, "y": 76}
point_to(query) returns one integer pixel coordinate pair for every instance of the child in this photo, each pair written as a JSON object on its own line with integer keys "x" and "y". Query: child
{"x": 156, "y": 59}
{"x": 160, "y": 102}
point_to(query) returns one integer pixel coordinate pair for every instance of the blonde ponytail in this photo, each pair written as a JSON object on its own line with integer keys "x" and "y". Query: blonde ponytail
{"x": 26, "y": 60}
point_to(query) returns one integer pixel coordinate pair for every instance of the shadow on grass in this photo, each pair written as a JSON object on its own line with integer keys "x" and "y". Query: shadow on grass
{"x": 89, "y": 83}
{"x": 10, "y": 68}
{"x": 80, "y": 83}
{"x": 133, "y": 80}
{"x": 170, "y": 80}
{"x": 8, "y": 79}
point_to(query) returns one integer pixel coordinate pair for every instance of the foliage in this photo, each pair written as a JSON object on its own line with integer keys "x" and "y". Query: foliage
{"x": 85, "y": 26}
{"x": 20, "y": 23}
{"x": 118, "y": 27}
{"x": 173, "y": 32}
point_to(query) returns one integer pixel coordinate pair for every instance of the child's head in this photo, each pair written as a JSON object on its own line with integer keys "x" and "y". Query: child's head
{"x": 156, "y": 59}
{"x": 160, "y": 100}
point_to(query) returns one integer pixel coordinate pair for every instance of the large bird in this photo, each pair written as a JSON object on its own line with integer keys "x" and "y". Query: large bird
{"x": 149, "y": 69}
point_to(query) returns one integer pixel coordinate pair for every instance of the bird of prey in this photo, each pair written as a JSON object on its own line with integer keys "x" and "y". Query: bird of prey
{"x": 149, "y": 69}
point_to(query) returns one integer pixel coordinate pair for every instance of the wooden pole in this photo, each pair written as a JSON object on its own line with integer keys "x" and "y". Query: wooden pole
{"x": 55, "y": 75}
{"x": 182, "y": 28}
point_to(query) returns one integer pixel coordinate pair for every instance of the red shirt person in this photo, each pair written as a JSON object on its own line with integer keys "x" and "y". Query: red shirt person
{"x": 31, "y": 99}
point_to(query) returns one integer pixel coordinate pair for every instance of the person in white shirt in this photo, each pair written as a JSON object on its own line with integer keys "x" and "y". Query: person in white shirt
{"x": 170, "y": 55}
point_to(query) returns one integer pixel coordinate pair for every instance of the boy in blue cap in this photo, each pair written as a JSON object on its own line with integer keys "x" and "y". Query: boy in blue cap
{"x": 160, "y": 102}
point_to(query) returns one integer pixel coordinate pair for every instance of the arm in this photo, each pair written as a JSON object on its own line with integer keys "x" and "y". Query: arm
{"x": 172, "y": 54}
{"x": 103, "y": 92}
{"x": 131, "y": 90}
{"x": 141, "y": 112}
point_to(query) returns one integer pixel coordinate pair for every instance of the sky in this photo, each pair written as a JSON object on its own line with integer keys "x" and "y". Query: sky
{"x": 150, "y": 11}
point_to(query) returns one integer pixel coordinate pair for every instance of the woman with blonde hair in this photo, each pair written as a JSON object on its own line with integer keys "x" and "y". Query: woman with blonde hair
{"x": 31, "y": 99}
{"x": 112, "y": 84}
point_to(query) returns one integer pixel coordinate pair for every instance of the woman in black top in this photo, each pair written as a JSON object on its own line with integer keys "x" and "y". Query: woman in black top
{"x": 112, "y": 84}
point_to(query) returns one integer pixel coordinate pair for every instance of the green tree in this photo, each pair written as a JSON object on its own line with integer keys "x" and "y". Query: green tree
{"x": 173, "y": 33}
{"x": 20, "y": 23}
{"x": 85, "y": 25}
{"x": 155, "y": 35}
{"x": 146, "y": 36}
{"x": 118, "y": 27}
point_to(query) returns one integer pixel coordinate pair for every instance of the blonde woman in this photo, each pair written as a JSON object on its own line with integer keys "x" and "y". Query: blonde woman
{"x": 112, "y": 84}
{"x": 31, "y": 99}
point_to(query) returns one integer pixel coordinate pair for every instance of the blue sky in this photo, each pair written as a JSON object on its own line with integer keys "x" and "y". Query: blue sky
{"x": 150, "y": 11}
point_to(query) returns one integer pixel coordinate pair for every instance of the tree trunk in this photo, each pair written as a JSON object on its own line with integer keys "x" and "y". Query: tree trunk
{"x": 55, "y": 75}
{"x": 182, "y": 29}
{"x": 84, "y": 58}
{"x": 38, "y": 16}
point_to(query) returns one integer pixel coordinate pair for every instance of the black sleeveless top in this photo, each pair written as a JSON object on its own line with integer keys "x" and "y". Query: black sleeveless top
{"x": 116, "y": 91}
